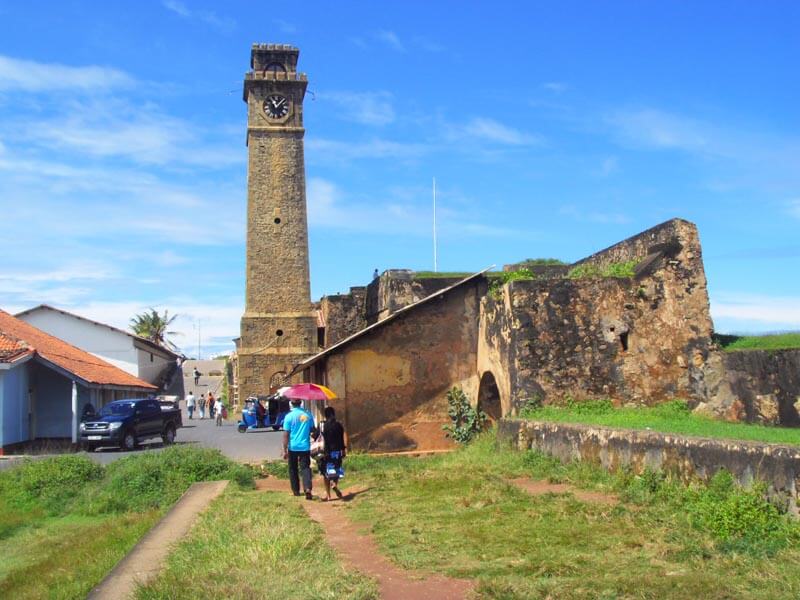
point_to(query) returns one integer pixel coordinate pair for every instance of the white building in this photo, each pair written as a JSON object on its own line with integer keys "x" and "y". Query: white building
{"x": 136, "y": 355}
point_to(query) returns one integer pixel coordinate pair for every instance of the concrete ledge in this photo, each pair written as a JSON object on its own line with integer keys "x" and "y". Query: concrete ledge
{"x": 687, "y": 457}
{"x": 146, "y": 559}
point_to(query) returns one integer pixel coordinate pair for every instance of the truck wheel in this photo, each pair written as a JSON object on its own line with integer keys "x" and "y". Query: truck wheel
{"x": 129, "y": 441}
{"x": 168, "y": 437}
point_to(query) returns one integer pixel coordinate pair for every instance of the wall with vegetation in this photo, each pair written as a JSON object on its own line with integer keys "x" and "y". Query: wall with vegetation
{"x": 685, "y": 457}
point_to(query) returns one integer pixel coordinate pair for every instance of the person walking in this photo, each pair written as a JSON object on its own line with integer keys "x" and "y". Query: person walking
{"x": 297, "y": 428}
{"x": 218, "y": 410}
{"x": 334, "y": 452}
{"x": 210, "y": 405}
{"x": 190, "y": 404}
{"x": 196, "y": 374}
{"x": 202, "y": 406}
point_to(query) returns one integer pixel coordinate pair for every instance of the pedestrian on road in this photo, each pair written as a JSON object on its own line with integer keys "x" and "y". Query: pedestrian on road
{"x": 196, "y": 374}
{"x": 190, "y": 404}
{"x": 218, "y": 406}
{"x": 202, "y": 405}
{"x": 210, "y": 405}
{"x": 333, "y": 453}
{"x": 297, "y": 428}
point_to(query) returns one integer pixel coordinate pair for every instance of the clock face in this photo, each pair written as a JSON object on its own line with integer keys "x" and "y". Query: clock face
{"x": 276, "y": 106}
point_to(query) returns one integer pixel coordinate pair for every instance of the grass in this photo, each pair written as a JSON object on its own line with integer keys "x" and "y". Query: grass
{"x": 776, "y": 341}
{"x": 456, "y": 514}
{"x": 65, "y": 521}
{"x": 619, "y": 270}
{"x": 256, "y": 545}
{"x": 670, "y": 417}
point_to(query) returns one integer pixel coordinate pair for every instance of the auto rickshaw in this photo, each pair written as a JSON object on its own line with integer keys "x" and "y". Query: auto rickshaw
{"x": 261, "y": 412}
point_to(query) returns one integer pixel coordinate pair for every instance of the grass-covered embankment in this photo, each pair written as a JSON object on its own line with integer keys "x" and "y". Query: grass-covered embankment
{"x": 776, "y": 341}
{"x": 66, "y": 521}
{"x": 669, "y": 417}
{"x": 256, "y": 545}
{"x": 457, "y": 514}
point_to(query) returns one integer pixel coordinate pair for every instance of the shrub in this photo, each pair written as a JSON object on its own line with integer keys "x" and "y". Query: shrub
{"x": 51, "y": 484}
{"x": 467, "y": 421}
{"x": 157, "y": 479}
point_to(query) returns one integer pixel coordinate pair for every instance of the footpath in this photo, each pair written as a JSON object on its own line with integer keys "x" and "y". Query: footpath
{"x": 359, "y": 551}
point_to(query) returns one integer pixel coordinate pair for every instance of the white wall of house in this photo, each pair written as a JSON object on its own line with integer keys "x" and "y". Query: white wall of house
{"x": 110, "y": 345}
{"x": 151, "y": 365}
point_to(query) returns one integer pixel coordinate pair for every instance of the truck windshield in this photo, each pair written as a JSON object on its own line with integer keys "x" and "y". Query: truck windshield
{"x": 117, "y": 409}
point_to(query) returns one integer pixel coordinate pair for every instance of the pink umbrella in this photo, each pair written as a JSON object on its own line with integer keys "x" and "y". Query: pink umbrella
{"x": 307, "y": 391}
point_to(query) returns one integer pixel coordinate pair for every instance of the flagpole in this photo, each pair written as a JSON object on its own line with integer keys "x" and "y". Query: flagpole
{"x": 435, "y": 257}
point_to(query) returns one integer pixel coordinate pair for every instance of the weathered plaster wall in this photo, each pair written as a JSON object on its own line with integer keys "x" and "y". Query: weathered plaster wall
{"x": 686, "y": 457}
{"x": 397, "y": 288}
{"x": 641, "y": 340}
{"x": 761, "y": 386}
{"x": 343, "y": 314}
{"x": 392, "y": 381}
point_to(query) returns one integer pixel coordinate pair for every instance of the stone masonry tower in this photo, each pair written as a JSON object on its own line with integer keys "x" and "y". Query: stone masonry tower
{"x": 279, "y": 325}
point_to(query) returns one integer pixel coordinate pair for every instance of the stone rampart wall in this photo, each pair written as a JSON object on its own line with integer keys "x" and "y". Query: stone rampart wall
{"x": 686, "y": 457}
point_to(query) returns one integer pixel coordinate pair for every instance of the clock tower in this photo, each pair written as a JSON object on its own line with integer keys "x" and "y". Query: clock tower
{"x": 279, "y": 327}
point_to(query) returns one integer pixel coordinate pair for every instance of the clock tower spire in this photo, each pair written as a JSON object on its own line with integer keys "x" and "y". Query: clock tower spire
{"x": 279, "y": 327}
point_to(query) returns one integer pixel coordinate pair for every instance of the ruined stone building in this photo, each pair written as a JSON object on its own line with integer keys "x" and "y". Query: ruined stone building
{"x": 392, "y": 349}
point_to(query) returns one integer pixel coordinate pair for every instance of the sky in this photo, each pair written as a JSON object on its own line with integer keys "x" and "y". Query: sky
{"x": 553, "y": 129}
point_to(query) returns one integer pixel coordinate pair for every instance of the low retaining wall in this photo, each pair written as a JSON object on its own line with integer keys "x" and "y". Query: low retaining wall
{"x": 687, "y": 457}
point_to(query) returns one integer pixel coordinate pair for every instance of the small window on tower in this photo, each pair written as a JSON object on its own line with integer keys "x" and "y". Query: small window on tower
{"x": 279, "y": 333}
{"x": 277, "y": 220}
{"x": 275, "y": 68}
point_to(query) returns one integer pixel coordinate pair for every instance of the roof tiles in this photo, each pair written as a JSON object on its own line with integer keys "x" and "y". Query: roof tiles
{"x": 74, "y": 360}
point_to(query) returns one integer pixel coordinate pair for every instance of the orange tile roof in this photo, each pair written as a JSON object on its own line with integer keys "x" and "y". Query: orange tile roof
{"x": 11, "y": 348}
{"x": 78, "y": 362}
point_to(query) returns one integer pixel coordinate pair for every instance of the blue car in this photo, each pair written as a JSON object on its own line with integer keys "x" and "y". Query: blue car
{"x": 263, "y": 412}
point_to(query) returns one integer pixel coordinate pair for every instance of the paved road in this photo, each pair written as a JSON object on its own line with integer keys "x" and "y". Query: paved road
{"x": 253, "y": 446}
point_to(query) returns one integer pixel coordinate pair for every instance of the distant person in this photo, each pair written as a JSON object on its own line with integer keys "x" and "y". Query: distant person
{"x": 297, "y": 428}
{"x": 219, "y": 409}
{"x": 196, "y": 374}
{"x": 210, "y": 404}
{"x": 375, "y": 274}
{"x": 260, "y": 412}
{"x": 333, "y": 453}
{"x": 190, "y": 404}
{"x": 201, "y": 404}
{"x": 88, "y": 412}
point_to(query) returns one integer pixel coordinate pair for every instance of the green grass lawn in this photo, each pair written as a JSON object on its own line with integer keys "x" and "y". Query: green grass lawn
{"x": 66, "y": 521}
{"x": 457, "y": 515}
{"x": 671, "y": 417}
{"x": 778, "y": 341}
{"x": 256, "y": 545}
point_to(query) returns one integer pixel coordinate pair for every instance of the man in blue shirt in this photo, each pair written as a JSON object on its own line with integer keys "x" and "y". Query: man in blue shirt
{"x": 297, "y": 428}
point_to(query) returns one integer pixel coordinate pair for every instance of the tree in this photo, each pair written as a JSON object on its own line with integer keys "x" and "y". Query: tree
{"x": 153, "y": 326}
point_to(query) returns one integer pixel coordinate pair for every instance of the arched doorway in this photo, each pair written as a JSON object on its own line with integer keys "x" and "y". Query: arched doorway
{"x": 489, "y": 397}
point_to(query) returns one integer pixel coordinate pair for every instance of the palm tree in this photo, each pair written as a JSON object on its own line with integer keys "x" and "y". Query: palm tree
{"x": 153, "y": 326}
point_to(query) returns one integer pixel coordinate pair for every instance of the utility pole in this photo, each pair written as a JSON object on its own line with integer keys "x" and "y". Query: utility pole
{"x": 435, "y": 249}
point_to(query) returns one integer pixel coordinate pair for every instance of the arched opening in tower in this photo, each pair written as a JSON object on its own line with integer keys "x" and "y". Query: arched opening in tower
{"x": 489, "y": 397}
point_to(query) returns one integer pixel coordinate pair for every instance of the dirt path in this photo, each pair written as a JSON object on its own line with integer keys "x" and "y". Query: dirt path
{"x": 148, "y": 556}
{"x": 538, "y": 488}
{"x": 360, "y": 551}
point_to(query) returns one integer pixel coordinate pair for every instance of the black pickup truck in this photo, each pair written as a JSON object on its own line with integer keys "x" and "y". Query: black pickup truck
{"x": 125, "y": 423}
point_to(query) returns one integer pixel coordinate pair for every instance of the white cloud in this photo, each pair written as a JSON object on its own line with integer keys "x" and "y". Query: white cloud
{"x": 742, "y": 312}
{"x": 285, "y": 26}
{"x": 609, "y": 166}
{"x": 390, "y": 39}
{"x": 29, "y": 76}
{"x": 368, "y": 108}
{"x": 794, "y": 207}
{"x": 556, "y": 87}
{"x": 209, "y": 17}
{"x": 493, "y": 131}
{"x": 658, "y": 129}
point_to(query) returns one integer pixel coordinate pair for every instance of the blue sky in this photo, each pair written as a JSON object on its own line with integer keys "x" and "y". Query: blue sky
{"x": 553, "y": 130}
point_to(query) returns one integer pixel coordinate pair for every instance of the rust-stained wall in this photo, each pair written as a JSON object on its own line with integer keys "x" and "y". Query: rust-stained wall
{"x": 343, "y": 315}
{"x": 392, "y": 381}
